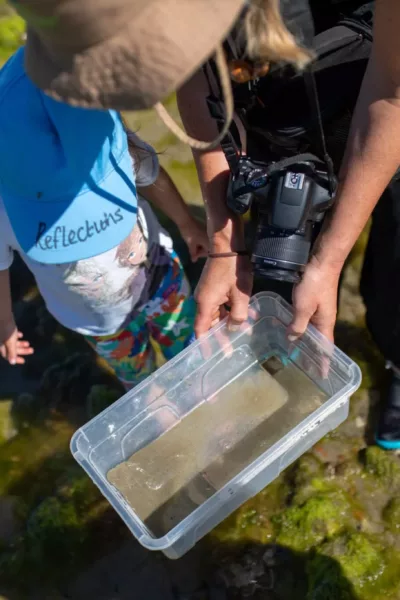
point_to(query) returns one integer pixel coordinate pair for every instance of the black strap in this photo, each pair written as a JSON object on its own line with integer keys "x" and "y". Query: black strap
{"x": 216, "y": 108}
{"x": 312, "y": 93}
{"x": 228, "y": 144}
{"x": 232, "y": 151}
{"x": 279, "y": 165}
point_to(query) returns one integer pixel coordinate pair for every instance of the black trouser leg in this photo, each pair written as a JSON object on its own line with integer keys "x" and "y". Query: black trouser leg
{"x": 380, "y": 281}
{"x": 269, "y": 285}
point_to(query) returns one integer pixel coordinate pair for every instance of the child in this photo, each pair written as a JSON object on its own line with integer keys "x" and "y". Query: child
{"x": 69, "y": 206}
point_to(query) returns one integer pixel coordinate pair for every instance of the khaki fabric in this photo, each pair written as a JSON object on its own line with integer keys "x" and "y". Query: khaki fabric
{"x": 121, "y": 54}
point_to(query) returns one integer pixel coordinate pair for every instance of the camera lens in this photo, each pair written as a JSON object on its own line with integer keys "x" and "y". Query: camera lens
{"x": 281, "y": 255}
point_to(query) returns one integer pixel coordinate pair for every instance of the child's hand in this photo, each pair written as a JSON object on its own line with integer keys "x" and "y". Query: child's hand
{"x": 195, "y": 235}
{"x": 12, "y": 347}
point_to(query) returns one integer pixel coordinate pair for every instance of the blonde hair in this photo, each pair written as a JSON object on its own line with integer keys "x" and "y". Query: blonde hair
{"x": 267, "y": 40}
{"x": 267, "y": 37}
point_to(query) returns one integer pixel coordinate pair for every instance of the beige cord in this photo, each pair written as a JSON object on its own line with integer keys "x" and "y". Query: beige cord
{"x": 228, "y": 103}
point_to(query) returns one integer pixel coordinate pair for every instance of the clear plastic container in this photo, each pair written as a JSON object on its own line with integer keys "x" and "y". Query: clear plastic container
{"x": 215, "y": 425}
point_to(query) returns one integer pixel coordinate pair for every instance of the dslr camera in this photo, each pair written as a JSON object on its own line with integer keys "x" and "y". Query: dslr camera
{"x": 288, "y": 199}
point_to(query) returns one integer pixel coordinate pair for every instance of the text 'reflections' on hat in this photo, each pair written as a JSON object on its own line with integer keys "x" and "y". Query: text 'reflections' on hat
{"x": 66, "y": 176}
{"x": 121, "y": 54}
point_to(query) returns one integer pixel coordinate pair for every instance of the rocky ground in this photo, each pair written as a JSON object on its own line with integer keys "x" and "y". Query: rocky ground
{"x": 327, "y": 529}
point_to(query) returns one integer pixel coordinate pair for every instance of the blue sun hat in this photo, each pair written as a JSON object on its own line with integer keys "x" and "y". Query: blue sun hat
{"x": 66, "y": 176}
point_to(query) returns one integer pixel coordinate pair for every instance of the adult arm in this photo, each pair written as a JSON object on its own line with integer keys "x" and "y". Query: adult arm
{"x": 371, "y": 159}
{"x": 224, "y": 280}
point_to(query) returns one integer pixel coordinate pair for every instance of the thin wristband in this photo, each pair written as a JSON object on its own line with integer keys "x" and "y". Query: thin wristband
{"x": 227, "y": 254}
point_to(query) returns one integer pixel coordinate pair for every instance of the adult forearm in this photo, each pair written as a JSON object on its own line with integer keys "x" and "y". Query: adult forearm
{"x": 371, "y": 160}
{"x": 225, "y": 229}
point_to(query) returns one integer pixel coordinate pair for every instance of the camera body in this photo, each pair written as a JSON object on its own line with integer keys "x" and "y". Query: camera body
{"x": 291, "y": 198}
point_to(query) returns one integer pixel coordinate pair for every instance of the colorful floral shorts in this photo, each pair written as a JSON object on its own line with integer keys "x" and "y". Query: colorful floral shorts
{"x": 163, "y": 325}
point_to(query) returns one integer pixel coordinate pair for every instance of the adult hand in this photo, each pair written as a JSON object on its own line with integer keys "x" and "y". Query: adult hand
{"x": 224, "y": 281}
{"x": 12, "y": 347}
{"x": 315, "y": 300}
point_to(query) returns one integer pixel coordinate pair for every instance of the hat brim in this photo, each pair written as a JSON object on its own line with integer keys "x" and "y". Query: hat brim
{"x": 139, "y": 65}
{"x": 65, "y": 231}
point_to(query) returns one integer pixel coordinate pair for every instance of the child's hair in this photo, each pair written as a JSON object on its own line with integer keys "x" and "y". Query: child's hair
{"x": 133, "y": 150}
{"x": 124, "y": 123}
{"x": 131, "y": 143}
{"x": 268, "y": 38}
{"x": 138, "y": 153}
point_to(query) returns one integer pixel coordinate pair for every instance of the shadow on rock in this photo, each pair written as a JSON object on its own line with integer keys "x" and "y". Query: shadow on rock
{"x": 274, "y": 572}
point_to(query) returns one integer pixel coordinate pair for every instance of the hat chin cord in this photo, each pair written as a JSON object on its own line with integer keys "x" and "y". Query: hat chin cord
{"x": 227, "y": 95}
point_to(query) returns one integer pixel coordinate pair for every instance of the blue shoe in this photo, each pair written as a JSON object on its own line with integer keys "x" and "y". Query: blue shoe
{"x": 388, "y": 432}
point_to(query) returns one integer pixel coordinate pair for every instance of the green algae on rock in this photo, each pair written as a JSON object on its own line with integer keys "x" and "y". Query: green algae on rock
{"x": 383, "y": 466}
{"x": 30, "y": 459}
{"x": 366, "y": 569}
{"x": 55, "y": 533}
{"x": 252, "y": 521}
{"x": 322, "y": 516}
{"x": 55, "y": 528}
{"x": 308, "y": 478}
{"x": 44, "y": 536}
{"x": 318, "y": 485}
{"x": 306, "y": 469}
{"x": 58, "y": 531}
{"x": 76, "y": 487}
{"x": 391, "y": 514}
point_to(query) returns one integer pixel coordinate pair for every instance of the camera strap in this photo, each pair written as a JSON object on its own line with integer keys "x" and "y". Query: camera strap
{"x": 217, "y": 112}
{"x": 312, "y": 93}
{"x": 233, "y": 151}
